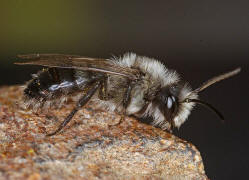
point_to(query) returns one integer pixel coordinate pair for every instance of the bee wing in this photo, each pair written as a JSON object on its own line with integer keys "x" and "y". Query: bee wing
{"x": 79, "y": 62}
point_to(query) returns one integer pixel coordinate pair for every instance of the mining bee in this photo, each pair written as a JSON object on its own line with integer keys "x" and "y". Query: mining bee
{"x": 131, "y": 85}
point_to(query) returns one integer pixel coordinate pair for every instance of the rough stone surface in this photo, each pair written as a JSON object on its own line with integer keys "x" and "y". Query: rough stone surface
{"x": 88, "y": 148}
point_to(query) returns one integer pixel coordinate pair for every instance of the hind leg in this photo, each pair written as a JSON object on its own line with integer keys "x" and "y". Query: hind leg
{"x": 82, "y": 101}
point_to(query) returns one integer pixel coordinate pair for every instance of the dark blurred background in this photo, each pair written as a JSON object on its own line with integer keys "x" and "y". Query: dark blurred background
{"x": 198, "y": 38}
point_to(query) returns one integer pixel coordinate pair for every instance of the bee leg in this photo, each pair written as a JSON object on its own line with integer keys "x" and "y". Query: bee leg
{"x": 103, "y": 95}
{"x": 82, "y": 101}
{"x": 126, "y": 101}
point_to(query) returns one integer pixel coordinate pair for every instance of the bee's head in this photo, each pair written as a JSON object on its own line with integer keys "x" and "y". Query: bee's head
{"x": 177, "y": 101}
{"x": 167, "y": 101}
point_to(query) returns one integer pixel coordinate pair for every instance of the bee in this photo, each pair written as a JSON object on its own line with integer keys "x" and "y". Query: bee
{"x": 132, "y": 85}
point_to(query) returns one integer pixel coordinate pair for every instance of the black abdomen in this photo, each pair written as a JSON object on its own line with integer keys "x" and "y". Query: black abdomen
{"x": 52, "y": 83}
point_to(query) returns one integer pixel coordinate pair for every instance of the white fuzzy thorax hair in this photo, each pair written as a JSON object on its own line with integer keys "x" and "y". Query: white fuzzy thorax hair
{"x": 159, "y": 75}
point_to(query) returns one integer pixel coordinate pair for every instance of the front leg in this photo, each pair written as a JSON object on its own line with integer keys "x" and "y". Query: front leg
{"x": 125, "y": 103}
{"x": 103, "y": 93}
{"x": 127, "y": 96}
{"x": 82, "y": 101}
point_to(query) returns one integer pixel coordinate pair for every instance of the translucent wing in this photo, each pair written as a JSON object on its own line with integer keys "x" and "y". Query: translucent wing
{"x": 79, "y": 62}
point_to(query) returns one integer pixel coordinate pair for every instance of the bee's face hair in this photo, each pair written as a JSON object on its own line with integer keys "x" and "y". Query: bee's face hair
{"x": 184, "y": 109}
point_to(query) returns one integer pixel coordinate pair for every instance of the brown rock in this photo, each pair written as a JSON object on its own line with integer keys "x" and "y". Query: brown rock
{"x": 88, "y": 148}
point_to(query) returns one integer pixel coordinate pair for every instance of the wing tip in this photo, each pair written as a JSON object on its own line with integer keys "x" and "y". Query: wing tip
{"x": 28, "y": 56}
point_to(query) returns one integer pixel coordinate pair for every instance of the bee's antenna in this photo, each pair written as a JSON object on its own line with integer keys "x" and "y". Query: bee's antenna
{"x": 217, "y": 79}
{"x": 209, "y": 83}
{"x": 209, "y": 106}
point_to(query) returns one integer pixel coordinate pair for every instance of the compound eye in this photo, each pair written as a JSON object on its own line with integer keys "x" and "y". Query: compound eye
{"x": 170, "y": 101}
